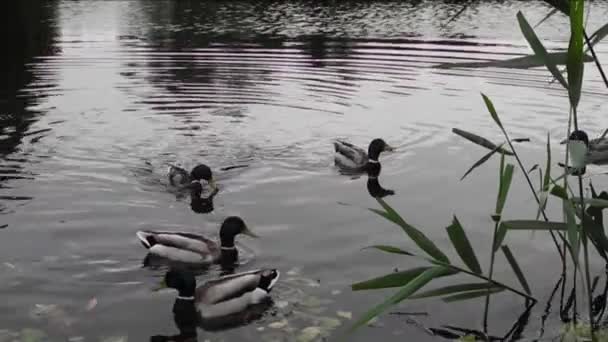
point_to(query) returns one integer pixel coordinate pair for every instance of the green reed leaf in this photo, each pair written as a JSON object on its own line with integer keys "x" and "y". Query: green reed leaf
{"x": 492, "y": 110}
{"x": 533, "y": 225}
{"x": 472, "y": 294}
{"x": 405, "y": 292}
{"x": 503, "y": 191}
{"x": 396, "y": 279}
{"x": 482, "y": 160}
{"x": 390, "y": 249}
{"x": 451, "y": 289}
{"x": 575, "y": 64}
{"x": 539, "y": 48}
{"x": 416, "y": 235}
{"x": 480, "y": 141}
{"x": 463, "y": 246}
{"x": 516, "y": 269}
{"x": 597, "y": 36}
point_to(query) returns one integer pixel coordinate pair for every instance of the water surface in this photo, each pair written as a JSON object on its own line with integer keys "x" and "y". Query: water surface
{"x": 105, "y": 93}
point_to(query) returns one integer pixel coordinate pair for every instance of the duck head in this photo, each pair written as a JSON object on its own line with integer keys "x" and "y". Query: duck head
{"x": 376, "y": 147}
{"x": 203, "y": 172}
{"x": 232, "y": 227}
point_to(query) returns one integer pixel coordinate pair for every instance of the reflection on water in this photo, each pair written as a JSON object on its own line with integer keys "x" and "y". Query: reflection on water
{"x": 100, "y": 95}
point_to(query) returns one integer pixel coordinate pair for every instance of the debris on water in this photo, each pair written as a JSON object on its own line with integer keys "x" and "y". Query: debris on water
{"x": 335, "y": 292}
{"x": 115, "y": 339}
{"x": 282, "y": 304}
{"x": 375, "y": 323}
{"x": 279, "y": 324}
{"x": 9, "y": 265}
{"x": 43, "y": 309}
{"x": 309, "y": 334}
{"x": 345, "y": 314}
{"x": 260, "y": 329}
{"x": 91, "y": 304}
{"x": 294, "y": 271}
{"x": 76, "y": 339}
{"x": 31, "y": 335}
{"x": 329, "y": 323}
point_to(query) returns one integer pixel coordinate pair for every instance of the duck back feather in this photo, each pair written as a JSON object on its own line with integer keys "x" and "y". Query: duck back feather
{"x": 349, "y": 156}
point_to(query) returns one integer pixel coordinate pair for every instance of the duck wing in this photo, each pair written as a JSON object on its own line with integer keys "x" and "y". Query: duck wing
{"x": 179, "y": 240}
{"x": 178, "y": 175}
{"x": 228, "y": 287}
{"x": 349, "y": 156}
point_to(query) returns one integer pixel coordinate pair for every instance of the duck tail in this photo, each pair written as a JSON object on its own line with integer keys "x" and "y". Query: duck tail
{"x": 146, "y": 239}
{"x": 274, "y": 281}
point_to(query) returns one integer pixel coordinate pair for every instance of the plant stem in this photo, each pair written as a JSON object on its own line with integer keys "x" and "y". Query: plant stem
{"x": 595, "y": 59}
{"x": 491, "y": 272}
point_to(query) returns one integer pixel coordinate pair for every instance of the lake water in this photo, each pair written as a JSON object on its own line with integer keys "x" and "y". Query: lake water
{"x": 100, "y": 95}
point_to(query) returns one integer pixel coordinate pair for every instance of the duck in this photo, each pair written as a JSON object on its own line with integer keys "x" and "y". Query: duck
{"x": 376, "y": 190}
{"x": 194, "y": 248}
{"x": 181, "y": 178}
{"x": 199, "y": 204}
{"x": 597, "y": 149}
{"x": 351, "y": 159}
{"x": 218, "y": 301}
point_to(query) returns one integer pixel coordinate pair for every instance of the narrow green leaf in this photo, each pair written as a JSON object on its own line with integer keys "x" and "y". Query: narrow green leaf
{"x": 534, "y": 225}
{"x": 482, "y": 160}
{"x": 572, "y": 229}
{"x": 534, "y": 167}
{"x": 463, "y": 246}
{"x": 501, "y": 233}
{"x": 492, "y": 110}
{"x": 480, "y": 140}
{"x": 559, "y": 191}
{"x": 450, "y": 289}
{"x": 575, "y": 64}
{"x": 505, "y": 183}
{"x": 472, "y": 294}
{"x": 597, "y": 36}
{"x": 390, "y": 249}
{"x": 516, "y": 269}
{"x": 396, "y": 279}
{"x": 596, "y": 234}
{"x": 406, "y": 291}
{"x": 539, "y": 48}
{"x": 416, "y": 235}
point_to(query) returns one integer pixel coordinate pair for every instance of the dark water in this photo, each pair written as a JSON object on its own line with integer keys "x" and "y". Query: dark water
{"x": 101, "y": 94}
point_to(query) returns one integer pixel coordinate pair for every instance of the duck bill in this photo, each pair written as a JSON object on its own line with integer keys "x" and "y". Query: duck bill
{"x": 161, "y": 286}
{"x": 248, "y": 232}
{"x": 212, "y": 184}
{"x": 389, "y": 148}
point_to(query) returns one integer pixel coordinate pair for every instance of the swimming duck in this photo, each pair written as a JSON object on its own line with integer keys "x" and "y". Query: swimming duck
{"x": 199, "y": 204}
{"x": 196, "y": 249}
{"x": 223, "y": 297}
{"x": 353, "y": 160}
{"x": 180, "y": 177}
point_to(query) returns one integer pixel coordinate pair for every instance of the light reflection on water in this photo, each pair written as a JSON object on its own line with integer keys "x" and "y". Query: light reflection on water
{"x": 118, "y": 89}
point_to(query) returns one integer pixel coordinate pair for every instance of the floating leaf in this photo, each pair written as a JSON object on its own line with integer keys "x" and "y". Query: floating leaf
{"x": 278, "y": 324}
{"x": 396, "y": 279}
{"x": 534, "y": 225}
{"x": 345, "y": 314}
{"x": 472, "y": 295}
{"x": 516, "y": 269}
{"x": 406, "y": 291}
{"x": 463, "y": 246}
{"x": 91, "y": 304}
{"x": 451, "y": 289}
{"x": 480, "y": 141}
{"x": 482, "y": 160}
{"x": 309, "y": 334}
{"x": 539, "y": 48}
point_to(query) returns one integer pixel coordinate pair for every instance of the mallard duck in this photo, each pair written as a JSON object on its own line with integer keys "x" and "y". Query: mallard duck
{"x": 193, "y": 248}
{"x": 224, "y": 296}
{"x": 182, "y": 178}
{"x": 597, "y": 149}
{"x": 353, "y": 160}
{"x": 199, "y": 204}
